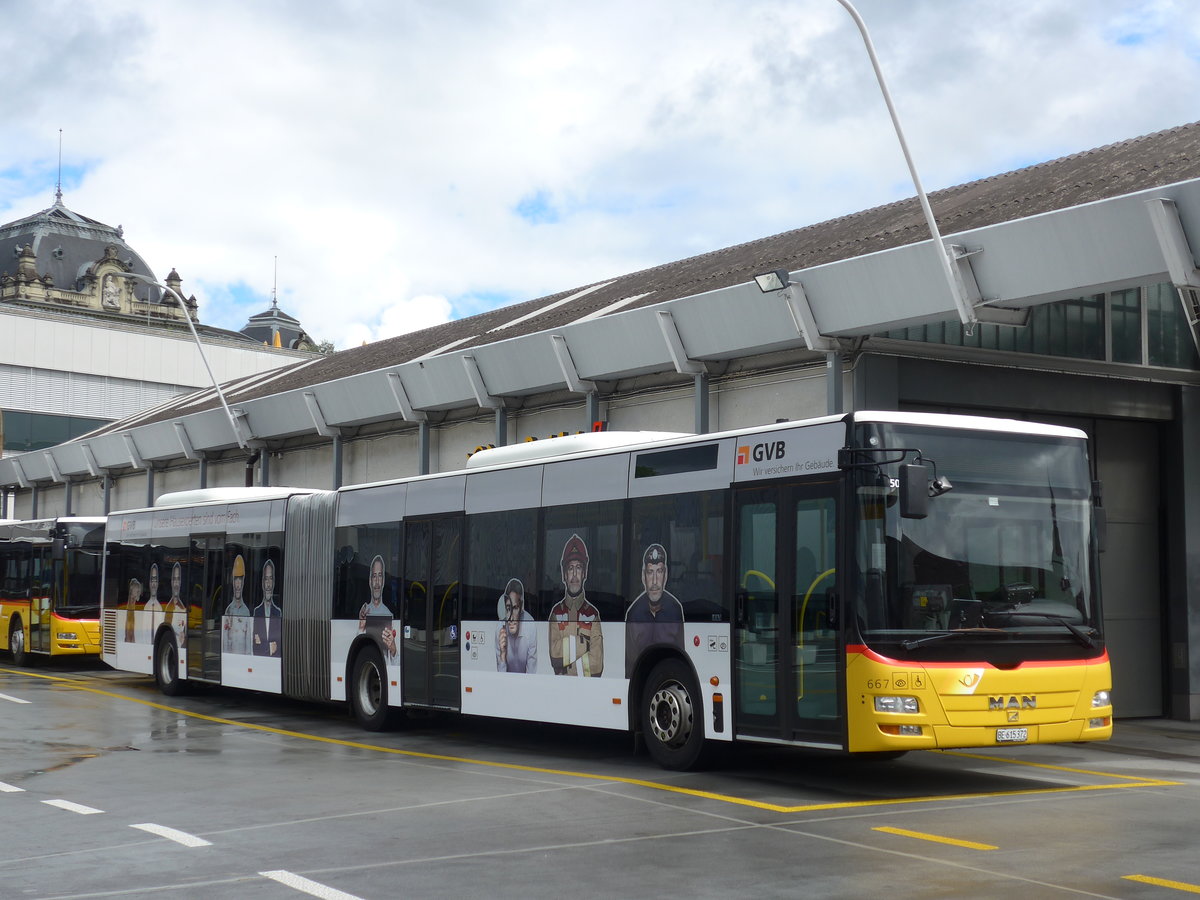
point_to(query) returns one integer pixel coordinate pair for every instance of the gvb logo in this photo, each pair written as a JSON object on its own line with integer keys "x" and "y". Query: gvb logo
{"x": 761, "y": 452}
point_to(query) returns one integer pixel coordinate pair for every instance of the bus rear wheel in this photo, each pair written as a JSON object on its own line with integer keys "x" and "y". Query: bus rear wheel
{"x": 672, "y": 716}
{"x": 166, "y": 666}
{"x": 369, "y": 690}
{"x": 16, "y": 643}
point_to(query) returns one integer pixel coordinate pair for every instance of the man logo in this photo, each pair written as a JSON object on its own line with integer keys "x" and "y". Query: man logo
{"x": 1024, "y": 702}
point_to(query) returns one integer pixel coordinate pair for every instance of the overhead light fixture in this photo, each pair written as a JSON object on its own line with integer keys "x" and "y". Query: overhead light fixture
{"x": 134, "y": 276}
{"x": 997, "y": 315}
{"x": 776, "y": 280}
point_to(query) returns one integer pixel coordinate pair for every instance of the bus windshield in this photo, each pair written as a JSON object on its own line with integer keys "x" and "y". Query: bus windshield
{"x": 1002, "y": 558}
{"x": 80, "y": 585}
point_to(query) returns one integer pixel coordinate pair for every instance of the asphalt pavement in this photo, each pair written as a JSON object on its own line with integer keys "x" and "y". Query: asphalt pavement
{"x": 1158, "y": 738}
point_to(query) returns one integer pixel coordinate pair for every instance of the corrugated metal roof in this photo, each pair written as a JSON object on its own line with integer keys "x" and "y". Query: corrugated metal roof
{"x": 1156, "y": 159}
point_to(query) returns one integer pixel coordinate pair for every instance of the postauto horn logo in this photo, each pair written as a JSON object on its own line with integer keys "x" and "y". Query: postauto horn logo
{"x": 761, "y": 452}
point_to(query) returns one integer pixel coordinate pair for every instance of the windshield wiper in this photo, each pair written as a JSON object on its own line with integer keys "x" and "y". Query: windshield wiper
{"x": 942, "y": 635}
{"x": 914, "y": 643}
{"x": 1084, "y": 637}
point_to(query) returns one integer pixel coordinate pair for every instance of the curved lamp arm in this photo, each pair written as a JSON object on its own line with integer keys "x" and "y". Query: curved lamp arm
{"x": 965, "y": 312}
{"x": 237, "y": 432}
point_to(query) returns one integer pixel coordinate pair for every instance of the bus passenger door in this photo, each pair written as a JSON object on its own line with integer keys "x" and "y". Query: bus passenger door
{"x": 47, "y": 573}
{"x": 430, "y": 618}
{"x": 205, "y": 586}
{"x": 788, "y": 658}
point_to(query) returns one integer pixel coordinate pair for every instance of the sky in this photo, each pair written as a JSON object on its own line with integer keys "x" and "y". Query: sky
{"x": 388, "y": 165}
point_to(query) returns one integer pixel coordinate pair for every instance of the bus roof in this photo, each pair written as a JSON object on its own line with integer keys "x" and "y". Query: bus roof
{"x": 569, "y": 444}
{"x": 227, "y": 495}
{"x": 971, "y": 423}
{"x": 600, "y": 441}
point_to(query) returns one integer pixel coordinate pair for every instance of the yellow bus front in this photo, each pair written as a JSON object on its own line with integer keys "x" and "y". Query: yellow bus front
{"x": 902, "y": 705}
{"x": 72, "y": 637}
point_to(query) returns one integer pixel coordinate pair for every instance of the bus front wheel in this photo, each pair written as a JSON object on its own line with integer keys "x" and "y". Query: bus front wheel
{"x": 16, "y": 643}
{"x": 369, "y": 690}
{"x": 166, "y": 666}
{"x": 672, "y": 716}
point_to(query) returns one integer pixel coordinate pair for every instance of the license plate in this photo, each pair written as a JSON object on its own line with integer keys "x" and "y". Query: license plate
{"x": 1012, "y": 735}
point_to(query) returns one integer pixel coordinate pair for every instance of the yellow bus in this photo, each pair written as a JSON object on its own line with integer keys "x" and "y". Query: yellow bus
{"x": 870, "y": 583}
{"x": 50, "y": 587}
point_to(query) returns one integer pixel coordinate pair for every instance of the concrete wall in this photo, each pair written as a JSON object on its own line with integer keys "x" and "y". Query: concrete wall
{"x": 160, "y": 355}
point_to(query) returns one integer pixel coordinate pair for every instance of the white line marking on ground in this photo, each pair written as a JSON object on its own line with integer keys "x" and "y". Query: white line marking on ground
{"x": 73, "y": 807}
{"x": 10, "y": 789}
{"x": 13, "y": 699}
{"x": 313, "y": 888}
{"x": 172, "y": 834}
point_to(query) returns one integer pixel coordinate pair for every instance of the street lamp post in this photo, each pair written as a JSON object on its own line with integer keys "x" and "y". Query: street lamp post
{"x": 965, "y": 312}
{"x": 237, "y": 433}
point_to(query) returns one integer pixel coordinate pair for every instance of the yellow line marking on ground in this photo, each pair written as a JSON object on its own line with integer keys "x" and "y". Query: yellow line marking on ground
{"x": 619, "y": 779}
{"x": 922, "y": 836}
{"x": 1053, "y": 768}
{"x": 1163, "y": 882}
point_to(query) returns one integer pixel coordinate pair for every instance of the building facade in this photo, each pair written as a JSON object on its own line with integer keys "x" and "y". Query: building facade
{"x": 1078, "y": 277}
{"x": 84, "y": 345}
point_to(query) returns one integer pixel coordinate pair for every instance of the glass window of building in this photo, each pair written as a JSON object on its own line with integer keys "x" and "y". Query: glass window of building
{"x": 1135, "y": 326}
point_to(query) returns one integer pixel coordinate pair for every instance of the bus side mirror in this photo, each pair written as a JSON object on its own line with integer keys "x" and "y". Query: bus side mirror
{"x": 914, "y": 491}
{"x": 1100, "y": 517}
{"x": 58, "y": 549}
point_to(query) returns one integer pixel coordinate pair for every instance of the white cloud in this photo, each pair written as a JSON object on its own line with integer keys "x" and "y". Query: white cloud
{"x": 383, "y": 150}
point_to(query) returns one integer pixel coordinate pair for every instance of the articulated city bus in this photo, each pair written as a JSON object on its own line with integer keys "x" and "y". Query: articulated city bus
{"x": 50, "y": 587}
{"x": 870, "y": 583}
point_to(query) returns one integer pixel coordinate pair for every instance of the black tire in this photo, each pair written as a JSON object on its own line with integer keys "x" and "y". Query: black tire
{"x": 369, "y": 690}
{"x": 672, "y": 716}
{"x": 16, "y": 644}
{"x": 166, "y": 666}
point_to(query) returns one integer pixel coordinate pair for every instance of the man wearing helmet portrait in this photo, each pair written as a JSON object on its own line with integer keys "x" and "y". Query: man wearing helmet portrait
{"x": 236, "y": 624}
{"x": 576, "y": 638}
{"x": 655, "y": 618}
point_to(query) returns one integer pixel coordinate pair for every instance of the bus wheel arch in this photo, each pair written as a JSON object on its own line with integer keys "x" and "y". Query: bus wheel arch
{"x": 368, "y": 694}
{"x": 166, "y": 664}
{"x": 670, "y": 713}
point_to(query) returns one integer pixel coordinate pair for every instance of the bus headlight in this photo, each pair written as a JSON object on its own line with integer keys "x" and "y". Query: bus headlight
{"x": 1101, "y": 698}
{"x": 897, "y": 705}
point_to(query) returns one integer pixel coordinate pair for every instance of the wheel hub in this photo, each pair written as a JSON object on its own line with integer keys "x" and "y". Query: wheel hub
{"x": 370, "y": 690}
{"x": 671, "y": 715}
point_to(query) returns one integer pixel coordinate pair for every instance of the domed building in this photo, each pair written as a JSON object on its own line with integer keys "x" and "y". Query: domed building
{"x": 275, "y": 328}
{"x": 64, "y": 260}
{"x": 84, "y": 346}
